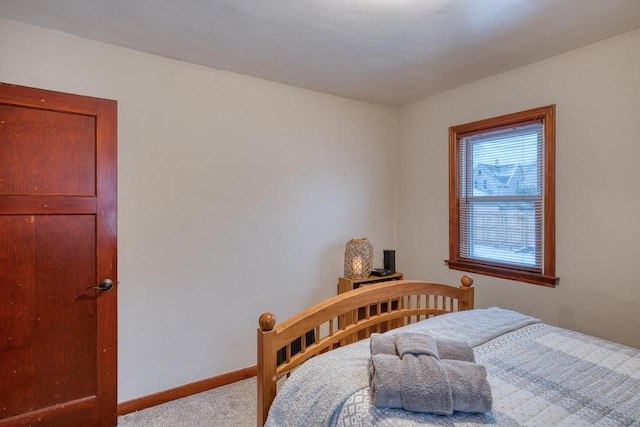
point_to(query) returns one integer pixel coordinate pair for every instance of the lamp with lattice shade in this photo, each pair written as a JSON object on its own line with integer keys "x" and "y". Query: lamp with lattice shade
{"x": 358, "y": 259}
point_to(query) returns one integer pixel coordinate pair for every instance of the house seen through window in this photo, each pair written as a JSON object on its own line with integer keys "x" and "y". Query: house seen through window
{"x": 502, "y": 207}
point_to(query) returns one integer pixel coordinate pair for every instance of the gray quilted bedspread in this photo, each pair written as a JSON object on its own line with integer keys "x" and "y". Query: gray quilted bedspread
{"x": 540, "y": 375}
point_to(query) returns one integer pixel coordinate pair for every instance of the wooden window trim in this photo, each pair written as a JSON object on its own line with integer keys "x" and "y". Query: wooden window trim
{"x": 547, "y": 276}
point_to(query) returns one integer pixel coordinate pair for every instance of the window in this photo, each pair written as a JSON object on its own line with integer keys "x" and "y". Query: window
{"x": 502, "y": 196}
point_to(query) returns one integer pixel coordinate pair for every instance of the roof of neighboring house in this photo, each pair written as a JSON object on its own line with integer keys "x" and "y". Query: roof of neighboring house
{"x": 503, "y": 174}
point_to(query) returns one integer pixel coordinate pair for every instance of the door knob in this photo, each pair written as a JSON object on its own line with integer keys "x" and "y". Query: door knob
{"x": 105, "y": 285}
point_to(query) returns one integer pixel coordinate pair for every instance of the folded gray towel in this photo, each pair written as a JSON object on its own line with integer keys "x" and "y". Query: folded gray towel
{"x": 385, "y": 374}
{"x": 445, "y": 348}
{"x": 383, "y": 344}
{"x": 425, "y": 385}
{"x": 455, "y": 350}
{"x": 470, "y": 389}
{"x": 416, "y": 344}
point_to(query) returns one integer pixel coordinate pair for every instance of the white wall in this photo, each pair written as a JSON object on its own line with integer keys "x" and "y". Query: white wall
{"x": 236, "y": 196}
{"x": 597, "y": 95}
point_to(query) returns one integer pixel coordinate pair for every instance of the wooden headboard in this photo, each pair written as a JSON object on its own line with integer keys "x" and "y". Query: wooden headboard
{"x": 346, "y": 318}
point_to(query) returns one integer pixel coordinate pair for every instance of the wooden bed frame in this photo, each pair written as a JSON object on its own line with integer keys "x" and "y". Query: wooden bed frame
{"x": 346, "y": 318}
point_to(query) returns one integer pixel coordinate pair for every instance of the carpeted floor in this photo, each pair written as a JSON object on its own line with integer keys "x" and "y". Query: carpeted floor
{"x": 230, "y": 405}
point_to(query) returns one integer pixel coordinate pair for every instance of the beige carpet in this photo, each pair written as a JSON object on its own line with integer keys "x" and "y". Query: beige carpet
{"x": 230, "y": 405}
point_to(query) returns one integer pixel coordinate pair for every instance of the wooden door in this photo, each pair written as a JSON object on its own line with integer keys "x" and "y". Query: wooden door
{"x": 58, "y": 336}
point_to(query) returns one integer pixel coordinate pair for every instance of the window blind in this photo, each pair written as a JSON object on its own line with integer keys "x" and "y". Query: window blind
{"x": 500, "y": 196}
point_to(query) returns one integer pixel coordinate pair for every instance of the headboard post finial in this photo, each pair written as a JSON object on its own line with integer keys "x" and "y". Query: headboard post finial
{"x": 267, "y": 321}
{"x": 467, "y": 281}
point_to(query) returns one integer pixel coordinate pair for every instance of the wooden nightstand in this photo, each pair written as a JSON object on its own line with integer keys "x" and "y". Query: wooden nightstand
{"x": 345, "y": 285}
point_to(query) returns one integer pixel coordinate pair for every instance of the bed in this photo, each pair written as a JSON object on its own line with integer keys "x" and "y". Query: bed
{"x": 540, "y": 375}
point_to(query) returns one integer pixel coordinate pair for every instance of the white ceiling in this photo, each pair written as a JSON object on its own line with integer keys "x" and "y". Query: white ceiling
{"x": 383, "y": 51}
